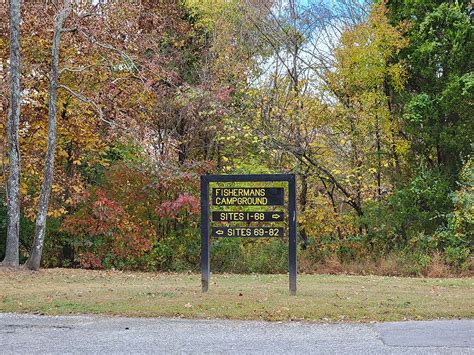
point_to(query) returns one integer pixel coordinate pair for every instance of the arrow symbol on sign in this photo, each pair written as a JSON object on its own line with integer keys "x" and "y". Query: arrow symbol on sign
{"x": 275, "y": 216}
{"x": 219, "y": 232}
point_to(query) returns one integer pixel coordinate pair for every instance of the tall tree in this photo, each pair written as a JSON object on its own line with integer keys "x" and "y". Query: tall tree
{"x": 34, "y": 260}
{"x": 438, "y": 102}
{"x": 302, "y": 46}
{"x": 13, "y": 184}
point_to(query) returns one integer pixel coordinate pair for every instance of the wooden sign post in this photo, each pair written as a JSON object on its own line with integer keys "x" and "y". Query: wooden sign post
{"x": 229, "y": 221}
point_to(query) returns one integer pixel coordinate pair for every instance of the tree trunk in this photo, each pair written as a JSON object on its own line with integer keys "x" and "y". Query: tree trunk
{"x": 68, "y": 249}
{"x": 392, "y": 109}
{"x": 378, "y": 173}
{"x": 34, "y": 260}
{"x": 13, "y": 183}
{"x": 330, "y": 193}
{"x": 303, "y": 202}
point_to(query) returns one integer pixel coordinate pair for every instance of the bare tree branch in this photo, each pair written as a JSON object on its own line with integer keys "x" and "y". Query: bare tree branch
{"x": 84, "y": 99}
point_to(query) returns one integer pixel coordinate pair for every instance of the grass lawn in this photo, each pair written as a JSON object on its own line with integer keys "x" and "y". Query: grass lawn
{"x": 319, "y": 298}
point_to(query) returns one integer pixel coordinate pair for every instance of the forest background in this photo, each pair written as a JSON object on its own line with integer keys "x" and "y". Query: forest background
{"x": 370, "y": 104}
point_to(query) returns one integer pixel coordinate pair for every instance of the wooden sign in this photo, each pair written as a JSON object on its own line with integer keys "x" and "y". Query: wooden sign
{"x": 232, "y": 215}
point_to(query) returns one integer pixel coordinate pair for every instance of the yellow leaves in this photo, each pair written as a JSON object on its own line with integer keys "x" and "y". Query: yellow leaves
{"x": 76, "y": 189}
{"x": 365, "y": 52}
{"x": 398, "y": 76}
{"x": 55, "y": 213}
{"x": 320, "y": 220}
{"x": 252, "y": 92}
{"x": 402, "y": 147}
{"x": 77, "y": 162}
{"x": 23, "y": 188}
{"x": 61, "y": 153}
{"x": 179, "y": 44}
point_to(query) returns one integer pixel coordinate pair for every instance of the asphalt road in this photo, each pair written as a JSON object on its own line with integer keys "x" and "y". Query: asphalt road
{"x": 91, "y": 334}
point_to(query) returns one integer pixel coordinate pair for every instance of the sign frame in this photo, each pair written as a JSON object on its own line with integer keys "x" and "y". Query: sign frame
{"x": 205, "y": 220}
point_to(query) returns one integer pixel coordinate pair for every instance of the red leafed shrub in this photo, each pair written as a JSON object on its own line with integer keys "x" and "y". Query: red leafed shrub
{"x": 105, "y": 231}
{"x": 139, "y": 218}
{"x": 184, "y": 203}
{"x": 90, "y": 261}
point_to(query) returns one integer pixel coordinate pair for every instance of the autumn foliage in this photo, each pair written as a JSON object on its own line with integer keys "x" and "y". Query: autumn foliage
{"x": 370, "y": 105}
